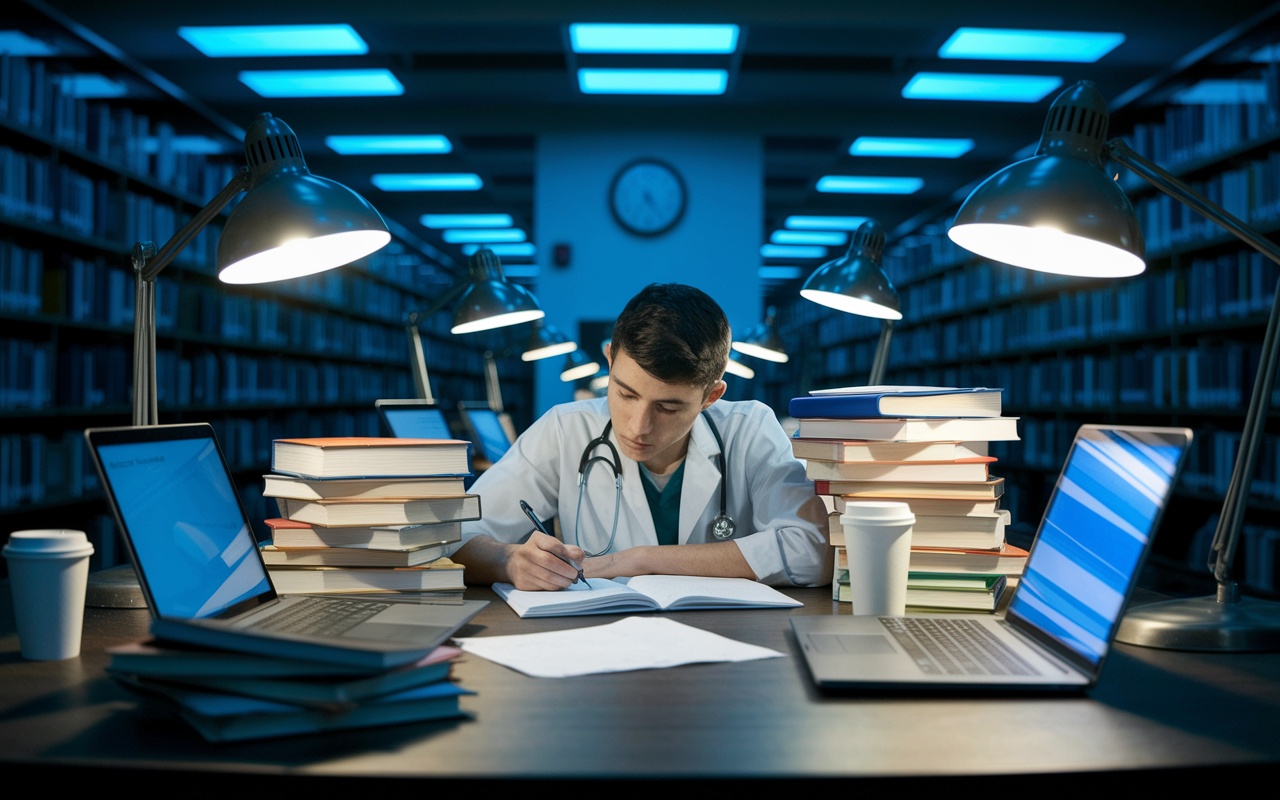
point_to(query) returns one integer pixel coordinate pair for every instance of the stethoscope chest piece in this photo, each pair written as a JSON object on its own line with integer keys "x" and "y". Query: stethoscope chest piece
{"x": 722, "y": 527}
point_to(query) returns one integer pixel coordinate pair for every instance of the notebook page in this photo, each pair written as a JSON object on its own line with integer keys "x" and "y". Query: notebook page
{"x": 689, "y": 591}
{"x": 597, "y": 596}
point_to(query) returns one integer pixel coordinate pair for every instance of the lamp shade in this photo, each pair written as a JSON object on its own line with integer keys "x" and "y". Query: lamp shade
{"x": 763, "y": 341}
{"x": 736, "y": 367}
{"x": 491, "y": 301}
{"x": 577, "y": 365}
{"x": 546, "y": 342}
{"x": 1058, "y": 211}
{"x": 855, "y": 283}
{"x": 291, "y": 223}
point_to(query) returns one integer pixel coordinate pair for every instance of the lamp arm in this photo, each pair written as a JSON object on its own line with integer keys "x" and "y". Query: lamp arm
{"x": 417, "y": 352}
{"x": 492, "y": 388}
{"x": 1227, "y": 536}
{"x": 238, "y": 183}
{"x": 881, "y": 361}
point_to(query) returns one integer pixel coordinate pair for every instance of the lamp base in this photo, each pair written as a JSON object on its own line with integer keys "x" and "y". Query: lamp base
{"x": 1204, "y": 624}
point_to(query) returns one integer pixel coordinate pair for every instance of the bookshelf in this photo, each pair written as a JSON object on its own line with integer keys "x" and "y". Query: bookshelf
{"x": 80, "y": 181}
{"x": 1177, "y": 345}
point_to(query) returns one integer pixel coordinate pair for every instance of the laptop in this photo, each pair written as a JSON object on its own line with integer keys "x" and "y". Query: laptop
{"x": 199, "y": 566}
{"x": 488, "y": 430}
{"x": 414, "y": 419}
{"x": 1089, "y": 550}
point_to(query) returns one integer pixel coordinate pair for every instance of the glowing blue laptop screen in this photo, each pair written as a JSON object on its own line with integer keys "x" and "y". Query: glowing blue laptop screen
{"x": 493, "y": 439}
{"x": 188, "y": 532}
{"x": 1101, "y": 516}
{"x": 417, "y": 423}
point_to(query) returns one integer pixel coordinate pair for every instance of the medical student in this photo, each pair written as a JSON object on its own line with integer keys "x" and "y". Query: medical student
{"x": 675, "y": 491}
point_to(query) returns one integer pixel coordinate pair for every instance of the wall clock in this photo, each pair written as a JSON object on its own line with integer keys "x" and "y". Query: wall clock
{"x": 647, "y": 197}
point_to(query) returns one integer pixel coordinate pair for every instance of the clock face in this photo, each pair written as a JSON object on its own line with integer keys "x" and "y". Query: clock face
{"x": 647, "y": 197}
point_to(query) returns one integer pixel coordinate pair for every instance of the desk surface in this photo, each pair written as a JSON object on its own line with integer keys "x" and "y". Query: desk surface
{"x": 1151, "y": 710}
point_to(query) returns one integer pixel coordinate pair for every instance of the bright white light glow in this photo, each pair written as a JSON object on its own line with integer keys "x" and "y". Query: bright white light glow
{"x": 1046, "y": 249}
{"x": 586, "y": 37}
{"x": 850, "y": 305}
{"x": 304, "y": 257}
{"x": 437, "y": 221}
{"x": 738, "y": 368}
{"x": 580, "y": 371}
{"x": 499, "y": 321}
{"x": 803, "y": 223}
{"x": 599, "y": 383}
{"x": 653, "y": 81}
{"x": 388, "y": 145}
{"x": 482, "y": 235}
{"x": 831, "y": 238}
{"x": 755, "y": 350}
{"x": 550, "y": 351}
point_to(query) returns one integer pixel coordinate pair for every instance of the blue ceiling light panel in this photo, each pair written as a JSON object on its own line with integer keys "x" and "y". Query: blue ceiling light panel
{"x": 909, "y": 147}
{"x": 438, "y": 221}
{"x": 792, "y": 251}
{"x": 607, "y": 38}
{"x": 868, "y": 184}
{"x": 1012, "y": 44}
{"x": 779, "y": 273}
{"x": 826, "y": 238}
{"x": 247, "y": 41}
{"x": 428, "y": 182}
{"x": 653, "y": 81}
{"x": 322, "y": 82}
{"x": 990, "y": 88}
{"x": 389, "y": 145}
{"x": 521, "y": 250}
{"x": 483, "y": 235}
{"x": 1220, "y": 92}
{"x": 17, "y": 43}
{"x": 811, "y": 223}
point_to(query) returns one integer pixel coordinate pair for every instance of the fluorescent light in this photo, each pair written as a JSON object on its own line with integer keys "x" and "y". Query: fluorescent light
{"x": 17, "y": 43}
{"x": 1012, "y": 44}
{"x": 909, "y": 147}
{"x": 322, "y": 82}
{"x": 832, "y": 238}
{"x": 427, "y": 181}
{"x": 735, "y": 367}
{"x": 580, "y": 371}
{"x": 499, "y": 321}
{"x": 389, "y": 145}
{"x": 438, "y": 221}
{"x": 653, "y": 81}
{"x": 521, "y": 271}
{"x": 792, "y": 251}
{"x": 587, "y": 37}
{"x": 993, "y": 88}
{"x": 482, "y": 235}
{"x": 779, "y": 273}
{"x": 525, "y": 249}
{"x": 275, "y": 40}
{"x": 803, "y": 223}
{"x": 1222, "y": 93}
{"x": 868, "y": 184}
{"x": 92, "y": 85}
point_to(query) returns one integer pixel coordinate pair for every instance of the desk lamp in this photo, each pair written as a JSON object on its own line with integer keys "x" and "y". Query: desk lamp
{"x": 487, "y": 301}
{"x": 855, "y": 283}
{"x": 763, "y": 341}
{"x": 577, "y": 365}
{"x": 734, "y": 366}
{"x": 546, "y": 342}
{"x": 1061, "y": 211}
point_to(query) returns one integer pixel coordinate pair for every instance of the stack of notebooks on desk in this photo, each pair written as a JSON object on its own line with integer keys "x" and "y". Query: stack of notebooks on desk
{"x": 926, "y": 447}
{"x": 229, "y": 696}
{"x": 368, "y": 515}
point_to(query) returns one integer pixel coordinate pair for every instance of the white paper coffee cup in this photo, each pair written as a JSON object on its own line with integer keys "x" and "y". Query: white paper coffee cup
{"x": 877, "y": 541}
{"x": 48, "y": 574}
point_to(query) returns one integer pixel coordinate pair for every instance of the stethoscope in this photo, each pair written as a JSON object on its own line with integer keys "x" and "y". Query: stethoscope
{"x": 722, "y": 527}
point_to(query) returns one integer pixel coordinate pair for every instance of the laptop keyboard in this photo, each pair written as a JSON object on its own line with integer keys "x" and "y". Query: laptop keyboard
{"x": 955, "y": 647}
{"x": 320, "y": 616}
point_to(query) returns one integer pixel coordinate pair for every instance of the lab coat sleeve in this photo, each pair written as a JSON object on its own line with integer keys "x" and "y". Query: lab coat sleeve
{"x": 790, "y": 545}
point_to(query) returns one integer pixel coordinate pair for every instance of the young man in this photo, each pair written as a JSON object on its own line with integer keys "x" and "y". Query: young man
{"x": 666, "y": 363}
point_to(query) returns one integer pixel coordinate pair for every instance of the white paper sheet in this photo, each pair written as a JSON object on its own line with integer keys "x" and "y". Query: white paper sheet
{"x": 629, "y": 644}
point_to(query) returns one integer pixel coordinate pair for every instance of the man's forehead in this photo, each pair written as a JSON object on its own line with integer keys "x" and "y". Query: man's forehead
{"x": 637, "y": 381}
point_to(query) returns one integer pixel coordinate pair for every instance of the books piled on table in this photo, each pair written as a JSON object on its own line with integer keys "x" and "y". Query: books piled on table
{"x": 368, "y": 515}
{"x": 926, "y": 447}
{"x": 230, "y": 696}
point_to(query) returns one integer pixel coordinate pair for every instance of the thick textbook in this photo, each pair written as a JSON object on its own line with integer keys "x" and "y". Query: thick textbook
{"x": 643, "y": 593}
{"x": 936, "y": 590}
{"x": 897, "y": 401}
{"x": 439, "y": 574}
{"x": 291, "y": 533}
{"x": 1008, "y": 560}
{"x": 971, "y": 470}
{"x": 894, "y": 490}
{"x": 361, "y": 488}
{"x": 923, "y": 506}
{"x": 273, "y": 555}
{"x": 378, "y": 513}
{"x": 982, "y": 527}
{"x": 856, "y": 451}
{"x": 370, "y": 457}
{"x": 995, "y": 429}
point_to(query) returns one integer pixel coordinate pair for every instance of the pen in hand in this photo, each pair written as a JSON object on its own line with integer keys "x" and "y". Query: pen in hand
{"x": 528, "y": 512}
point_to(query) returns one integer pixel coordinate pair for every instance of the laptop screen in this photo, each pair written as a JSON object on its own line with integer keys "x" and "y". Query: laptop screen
{"x": 185, "y": 523}
{"x": 1101, "y": 516}
{"x": 416, "y": 423}
{"x": 488, "y": 428}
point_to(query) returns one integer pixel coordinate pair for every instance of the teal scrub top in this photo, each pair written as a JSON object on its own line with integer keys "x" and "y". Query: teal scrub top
{"x": 664, "y": 505}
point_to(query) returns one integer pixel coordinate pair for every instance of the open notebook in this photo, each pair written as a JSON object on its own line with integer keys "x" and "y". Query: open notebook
{"x": 643, "y": 593}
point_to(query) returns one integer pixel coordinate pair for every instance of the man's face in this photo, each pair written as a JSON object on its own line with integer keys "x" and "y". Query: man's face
{"x": 651, "y": 419}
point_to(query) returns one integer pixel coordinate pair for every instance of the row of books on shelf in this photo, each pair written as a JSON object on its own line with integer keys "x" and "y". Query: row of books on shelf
{"x": 1260, "y": 548}
{"x": 39, "y": 95}
{"x": 21, "y": 279}
{"x": 919, "y": 253}
{"x": 1197, "y": 132}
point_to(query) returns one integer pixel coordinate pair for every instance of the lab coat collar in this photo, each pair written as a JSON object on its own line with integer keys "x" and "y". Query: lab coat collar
{"x": 701, "y": 479}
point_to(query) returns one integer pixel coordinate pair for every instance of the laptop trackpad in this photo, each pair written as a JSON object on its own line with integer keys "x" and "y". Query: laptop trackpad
{"x": 834, "y": 644}
{"x": 393, "y": 632}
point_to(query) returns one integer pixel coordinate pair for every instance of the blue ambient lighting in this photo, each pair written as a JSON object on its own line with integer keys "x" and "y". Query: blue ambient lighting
{"x": 523, "y": 249}
{"x": 322, "y": 82}
{"x": 1222, "y": 93}
{"x": 779, "y": 273}
{"x": 792, "y": 251}
{"x": 831, "y": 238}
{"x": 653, "y": 81}
{"x": 427, "y": 182}
{"x": 802, "y": 223}
{"x": 521, "y": 270}
{"x": 482, "y": 235}
{"x": 908, "y": 147}
{"x": 92, "y": 85}
{"x": 1011, "y": 44}
{"x": 275, "y": 40}
{"x": 868, "y": 184}
{"x": 437, "y": 221}
{"x": 17, "y": 43}
{"x": 388, "y": 145}
{"x": 994, "y": 88}
{"x": 587, "y": 37}
{"x": 186, "y": 144}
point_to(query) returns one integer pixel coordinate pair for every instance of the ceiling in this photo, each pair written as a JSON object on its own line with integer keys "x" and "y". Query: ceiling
{"x": 808, "y": 77}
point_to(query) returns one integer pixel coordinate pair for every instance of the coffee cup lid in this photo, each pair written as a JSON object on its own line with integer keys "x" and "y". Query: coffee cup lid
{"x": 50, "y": 542}
{"x": 877, "y": 511}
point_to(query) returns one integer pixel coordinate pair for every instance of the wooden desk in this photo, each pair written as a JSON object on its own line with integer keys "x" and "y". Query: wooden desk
{"x": 1153, "y": 710}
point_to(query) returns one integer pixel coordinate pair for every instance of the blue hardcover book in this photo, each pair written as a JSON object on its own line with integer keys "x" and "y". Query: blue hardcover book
{"x": 895, "y": 402}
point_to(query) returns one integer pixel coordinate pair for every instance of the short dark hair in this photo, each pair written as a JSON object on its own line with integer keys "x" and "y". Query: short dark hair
{"x": 676, "y": 333}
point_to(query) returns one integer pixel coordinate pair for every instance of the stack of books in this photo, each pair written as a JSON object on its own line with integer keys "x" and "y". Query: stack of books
{"x": 229, "y": 696}
{"x": 368, "y": 515}
{"x": 926, "y": 447}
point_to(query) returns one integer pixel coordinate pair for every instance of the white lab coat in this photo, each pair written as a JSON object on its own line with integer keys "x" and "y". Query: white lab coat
{"x": 780, "y": 522}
